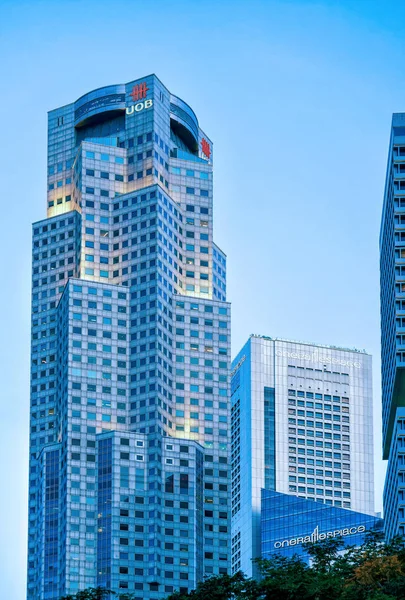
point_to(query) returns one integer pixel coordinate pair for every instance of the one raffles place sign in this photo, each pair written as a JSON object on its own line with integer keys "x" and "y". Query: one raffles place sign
{"x": 316, "y": 536}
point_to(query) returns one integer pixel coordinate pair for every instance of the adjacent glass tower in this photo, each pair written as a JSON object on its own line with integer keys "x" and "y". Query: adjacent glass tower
{"x": 302, "y": 424}
{"x": 392, "y": 274}
{"x": 129, "y": 432}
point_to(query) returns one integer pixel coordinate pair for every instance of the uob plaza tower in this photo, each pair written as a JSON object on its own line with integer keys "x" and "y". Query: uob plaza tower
{"x": 129, "y": 432}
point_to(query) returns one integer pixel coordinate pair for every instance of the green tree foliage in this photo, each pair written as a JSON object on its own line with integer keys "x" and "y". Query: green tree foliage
{"x": 98, "y": 593}
{"x": 373, "y": 571}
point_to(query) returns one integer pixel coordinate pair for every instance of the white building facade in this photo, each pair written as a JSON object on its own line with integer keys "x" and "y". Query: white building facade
{"x": 302, "y": 424}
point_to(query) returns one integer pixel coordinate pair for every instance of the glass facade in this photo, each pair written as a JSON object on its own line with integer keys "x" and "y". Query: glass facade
{"x": 130, "y": 358}
{"x": 288, "y": 522}
{"x": 302, "y": 424}
{"x": 392, "y": 278}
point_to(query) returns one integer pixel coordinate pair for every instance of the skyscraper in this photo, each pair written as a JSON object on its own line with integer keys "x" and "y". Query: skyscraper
{"x": 392, "y": 275}
{"x": 129, "y": 432}
{"x": 302, "y": 424}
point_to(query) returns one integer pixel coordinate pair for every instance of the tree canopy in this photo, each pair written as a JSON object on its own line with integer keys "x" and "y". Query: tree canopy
{"x": 373, "y": 571}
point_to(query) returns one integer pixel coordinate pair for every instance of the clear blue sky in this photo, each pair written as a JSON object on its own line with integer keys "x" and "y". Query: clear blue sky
{"x": 296, "y": 95}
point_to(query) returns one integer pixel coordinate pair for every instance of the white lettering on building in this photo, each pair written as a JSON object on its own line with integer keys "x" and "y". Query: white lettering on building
{"x": 138, "y": 107}
{"x": 316, "y": 536}
{"x": 318, "y": 358}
